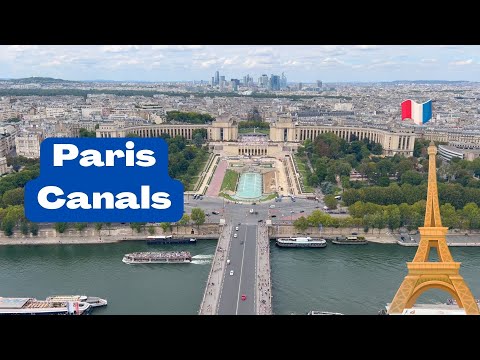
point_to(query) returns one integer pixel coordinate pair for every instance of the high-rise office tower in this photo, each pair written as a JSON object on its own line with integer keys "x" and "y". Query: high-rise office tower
{"x": 283, "y": 82}
{"x": 217, "y": 77}
{"x": 319, "y": 83}
{"x": 263, "y": 81}
{"x": 274, "y": 83}
{"x": 213, "y": 81}
{"x": 300, "y": 86}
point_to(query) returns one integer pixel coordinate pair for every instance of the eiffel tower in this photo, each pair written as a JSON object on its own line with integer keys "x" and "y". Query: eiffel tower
{"x": 423, "y": 274}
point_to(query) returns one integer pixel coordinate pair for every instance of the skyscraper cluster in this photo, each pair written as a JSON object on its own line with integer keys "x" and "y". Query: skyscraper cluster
{"x": 272, "y": 82}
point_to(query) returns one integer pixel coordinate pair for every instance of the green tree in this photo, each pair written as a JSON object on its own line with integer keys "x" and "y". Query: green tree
{"x": 184, "y": 220}
{"x": 379, "y": 221}
{"x": 132, "y": 135}
{"x": 345, "y": 180}
{"x": 80, "y": 226}
{"x": 385, "y": 167}
{"x": 377, "y": 149}
{"x": 420, "y": 148}
{"x": 412, "y": 177}
{"x": 301, "y": 223}
{"x": 7, "y": 226}
{"x": 98, "y": 226}
{"x": 165, "y": 226}
{"x": 198, "y": 216}
{"x": 34, "y": 228}
{"x": 60, "y": 227}
{"x": 369, "y": 222}
{"x": 316, "y": 218}
{"x": 189, "y": 117}
{"x": 151, "y": 230}
{"x": 383, "y": 181}
{"x": 24, "y": 227}
{"x": 330, "y": 201}
{"x": 470, "y": 213}
{"x": 13, "y": 197}
{"x": 84, "y": 133}
{"x": 198, "y": 140}
{"x": 403, "y": 166}
{"x": 137, "y": 226}
{"x": 393, "y": 217}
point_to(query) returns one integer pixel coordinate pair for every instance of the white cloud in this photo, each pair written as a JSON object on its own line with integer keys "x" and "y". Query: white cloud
{"x": 462, "y": 62}
{"x": 120, "y": 48}
{"x": 261, "y": 51}
{"x": 209, "y": 63}
{"x": 21, "y": 48}
{"x": 429, "y": 61}
{"x": 55, "y": 62}
{"x": 177, "y": 47}
{"x": 366, "y": 47}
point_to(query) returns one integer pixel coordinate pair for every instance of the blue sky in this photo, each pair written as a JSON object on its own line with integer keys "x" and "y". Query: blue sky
{"x": 306, "y": 63}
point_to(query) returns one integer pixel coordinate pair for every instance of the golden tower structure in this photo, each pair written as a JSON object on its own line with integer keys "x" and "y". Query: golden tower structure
{"x": 423, "y": 274}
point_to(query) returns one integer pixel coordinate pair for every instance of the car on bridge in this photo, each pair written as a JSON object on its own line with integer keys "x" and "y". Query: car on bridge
{"x": 236, "y": 228}
{"x": 244, "y": 297}
{"x": 235, "y": 235}
{"x": 231, "y": 272}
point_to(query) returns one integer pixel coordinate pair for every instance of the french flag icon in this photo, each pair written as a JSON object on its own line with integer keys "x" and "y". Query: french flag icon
{"x": 419, "y": 113}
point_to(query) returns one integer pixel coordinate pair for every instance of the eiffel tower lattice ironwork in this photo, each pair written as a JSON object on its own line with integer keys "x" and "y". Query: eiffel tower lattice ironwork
{"x": 423, "y": 274}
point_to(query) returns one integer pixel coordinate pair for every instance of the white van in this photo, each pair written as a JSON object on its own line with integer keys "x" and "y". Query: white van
{"x": 228, "y": 262}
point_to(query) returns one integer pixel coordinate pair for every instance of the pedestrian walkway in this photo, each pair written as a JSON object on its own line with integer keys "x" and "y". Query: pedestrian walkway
{"x": 208, "y": 175}
{"x": 263, "y": 278}
{"x": 211, "y": 295}
{"x": 216, "y": 183}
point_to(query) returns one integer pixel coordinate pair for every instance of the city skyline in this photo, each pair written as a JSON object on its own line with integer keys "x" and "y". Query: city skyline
{"x": 301, "y": 63}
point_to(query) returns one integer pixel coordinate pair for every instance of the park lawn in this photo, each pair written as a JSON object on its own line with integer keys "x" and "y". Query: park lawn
{"x": 302, "y": 168}
{"x": 230, "y": 180}
{"x": 250, "y": 130}
{"x": 191, "y": 186}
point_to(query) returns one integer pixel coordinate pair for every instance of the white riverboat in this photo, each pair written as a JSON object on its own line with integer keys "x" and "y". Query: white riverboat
{"x": 160, "y": 257}
{"x": 317, "y": 312}
{"x": 301, "y": 242}
{"x": 32, "y": 306}
{"x": 428, "y": 309}
{"x": 94, "y": 301}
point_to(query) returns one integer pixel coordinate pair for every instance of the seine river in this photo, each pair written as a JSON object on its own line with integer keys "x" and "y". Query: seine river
{"x": 352, "y": 279}
{"x": 346, "y": 279}
{"x": 98, "y": 270}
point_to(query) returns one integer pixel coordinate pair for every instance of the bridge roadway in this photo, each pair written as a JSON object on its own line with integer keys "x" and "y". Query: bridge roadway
{"x": 242, "y": 256}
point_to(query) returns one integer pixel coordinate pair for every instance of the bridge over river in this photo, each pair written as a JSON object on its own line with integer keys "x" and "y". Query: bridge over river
{"x": 247, "y": 275}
